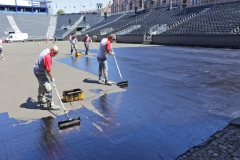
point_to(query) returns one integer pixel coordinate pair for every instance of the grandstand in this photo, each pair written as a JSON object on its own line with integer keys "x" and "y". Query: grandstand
{"x": 63, "y": 23}
{"x": 210, "y": 19}
{"x": 39, "y": 24}
{"x": 168, "y": 17}
{"x": 4, "y": 25}
{"x": 91, "y": 20}
{"x": 216, "y": 19}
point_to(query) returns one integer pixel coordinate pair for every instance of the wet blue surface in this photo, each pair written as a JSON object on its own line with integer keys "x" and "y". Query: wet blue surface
{"x": 177, "y": 97}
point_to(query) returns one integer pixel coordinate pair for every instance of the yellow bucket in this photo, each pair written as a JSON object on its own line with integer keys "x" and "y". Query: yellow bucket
{"x": 78, "y": 54}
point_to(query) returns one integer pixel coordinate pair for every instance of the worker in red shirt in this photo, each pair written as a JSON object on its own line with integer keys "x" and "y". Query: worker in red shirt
{"x": 104, "y": 50}
{"x": 73, "y": 41}
{"x": 1, "y": 42}
{"x": 42, "y": 69}
{"x": 86, "y": 41}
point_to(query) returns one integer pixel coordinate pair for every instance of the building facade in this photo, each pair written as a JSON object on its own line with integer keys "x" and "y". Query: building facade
{"x": 119, "y": 6}
{"x": 24, "y": 6}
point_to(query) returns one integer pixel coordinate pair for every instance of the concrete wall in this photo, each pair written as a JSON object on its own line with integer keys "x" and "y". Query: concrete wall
{"x": 198, "y": 40}
{"x": 185, "y": 40}
{"x": 130, "y": 38}
{"x": 120, "y": 38}
{"x": 100, "y": 37}
{"x": 81, "y": 37}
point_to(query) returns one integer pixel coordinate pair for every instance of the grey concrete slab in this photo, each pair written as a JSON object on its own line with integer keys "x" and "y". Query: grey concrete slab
{"x": 19, "y": 84}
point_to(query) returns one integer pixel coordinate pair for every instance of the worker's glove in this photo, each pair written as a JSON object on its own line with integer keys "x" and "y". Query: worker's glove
{"x": 54, "y": 86}
{"x": 52, "y": 80}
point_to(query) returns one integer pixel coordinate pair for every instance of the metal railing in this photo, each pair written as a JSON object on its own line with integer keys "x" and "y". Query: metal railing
{"x": 72, "y": 27}
{"x": 35, "y": 38}
{"x": 157, "y": 29}
{"x": 104, "y": 24}
{"x": 128, "y": 30}
{"x": 106, "y": 31}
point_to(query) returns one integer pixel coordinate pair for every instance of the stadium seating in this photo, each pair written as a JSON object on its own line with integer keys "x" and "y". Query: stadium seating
{"x": 91, "y": 19}
{"x": 218, "y": 19}
{"x": 209, "y": 19}
{"x": 124, "y": 22}
{"x": 168, "y": 17}
{"x": 4, "y": 25}
{"x": 63, "y": 20}
{"x": 104, "y": 21}
{"x": 34, "y": 25}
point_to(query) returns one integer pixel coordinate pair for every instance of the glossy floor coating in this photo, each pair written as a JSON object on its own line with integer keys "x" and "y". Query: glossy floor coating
{"x": 177, "y": 98}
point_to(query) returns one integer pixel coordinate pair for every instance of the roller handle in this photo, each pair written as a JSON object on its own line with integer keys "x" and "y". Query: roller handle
{"x": 117, "y": 66}
{"x": 60, "y": 100}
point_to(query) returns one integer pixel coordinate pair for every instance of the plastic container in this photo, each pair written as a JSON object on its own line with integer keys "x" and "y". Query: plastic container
{"x": 73, "y": 95}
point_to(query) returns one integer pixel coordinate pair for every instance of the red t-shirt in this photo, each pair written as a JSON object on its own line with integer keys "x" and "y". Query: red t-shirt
{"x": 104, "y": 47}
{"x": 85, "y": 39}
{"x": 44, "y": 62}
{"x": 108, "y": 46}
{"x": 47, "y": 62}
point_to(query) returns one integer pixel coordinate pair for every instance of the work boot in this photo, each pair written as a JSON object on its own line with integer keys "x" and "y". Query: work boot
{"x": 101, "y": 80}
{"x": 52, "y": 106}
{"x": 108, "y": 82}
{"x": 41, "y": 100}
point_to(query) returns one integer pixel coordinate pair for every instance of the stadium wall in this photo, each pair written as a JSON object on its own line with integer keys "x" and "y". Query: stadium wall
{"x": 130, "y": 39}
{"x": 120, "y": 38}
{"x": 198, "y": 40}
{"x": 228, "y": 41}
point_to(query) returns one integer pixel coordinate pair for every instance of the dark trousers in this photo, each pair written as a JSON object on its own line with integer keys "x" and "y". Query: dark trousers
{"x": 87, "y": 48}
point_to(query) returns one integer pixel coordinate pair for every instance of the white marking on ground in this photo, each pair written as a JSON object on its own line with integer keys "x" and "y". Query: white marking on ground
{"x": 99, "y": 128}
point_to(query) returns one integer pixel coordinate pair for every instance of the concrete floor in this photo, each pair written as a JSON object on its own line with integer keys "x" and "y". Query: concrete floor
{"x": 176, "y": 99}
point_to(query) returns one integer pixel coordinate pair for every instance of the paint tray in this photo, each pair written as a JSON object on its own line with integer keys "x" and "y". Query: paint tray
{"x": 73, "y": 95}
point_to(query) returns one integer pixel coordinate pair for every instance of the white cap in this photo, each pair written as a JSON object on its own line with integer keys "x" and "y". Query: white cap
{"x": 86, "y": 34}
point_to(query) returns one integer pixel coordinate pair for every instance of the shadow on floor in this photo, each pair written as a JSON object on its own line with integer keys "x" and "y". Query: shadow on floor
{"x": 88, "y": 80}
{"x": 32, "y": 104}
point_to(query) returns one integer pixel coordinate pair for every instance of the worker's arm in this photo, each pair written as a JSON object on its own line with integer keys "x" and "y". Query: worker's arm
{"x": 48, "y": 65}
{"x": 49, "y": 73}
{"x": 111, "y": 53}
{"x": 108, "y": 48}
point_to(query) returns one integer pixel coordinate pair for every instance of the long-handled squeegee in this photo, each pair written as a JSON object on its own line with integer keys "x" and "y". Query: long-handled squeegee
{"x": 70, "y": 121}
{"x": 123, "y": 83}
{"x": 94, "y": 46}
